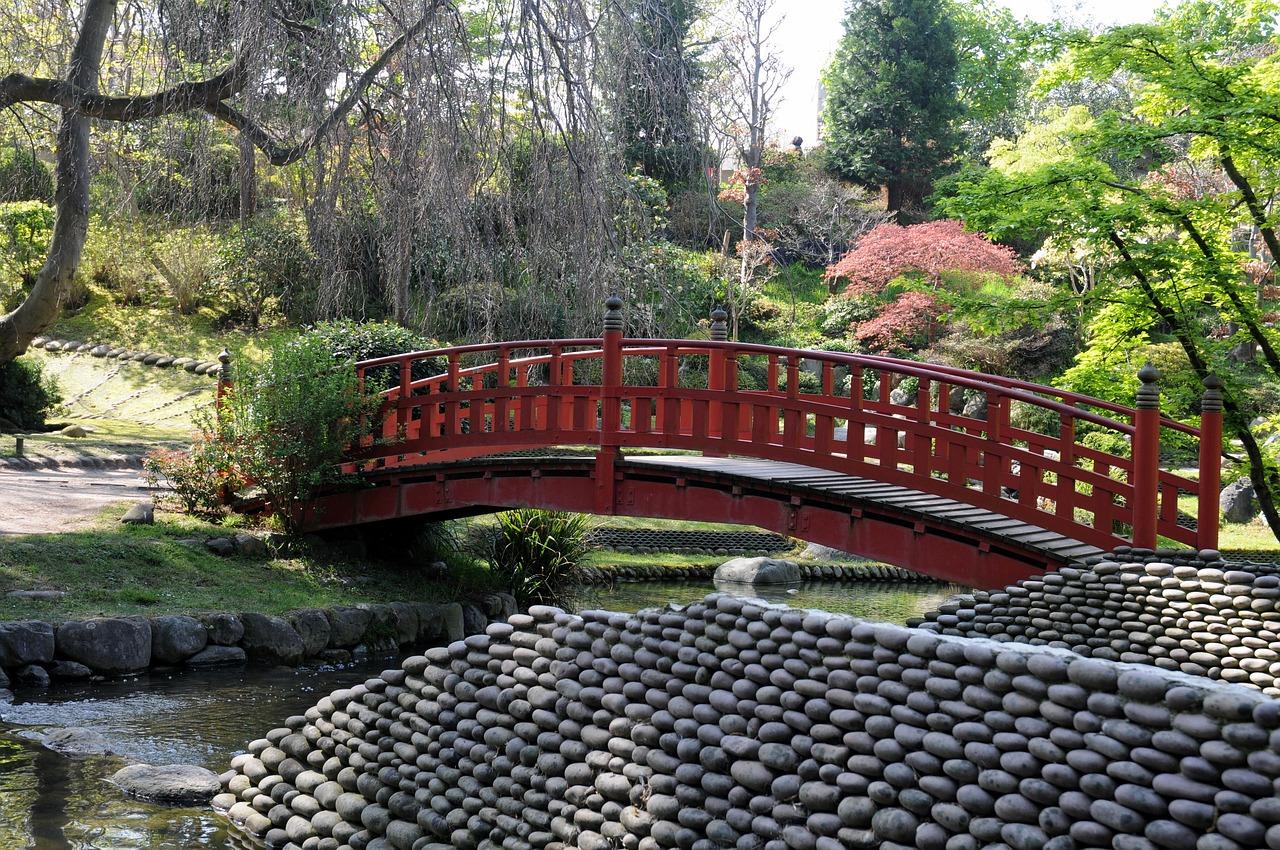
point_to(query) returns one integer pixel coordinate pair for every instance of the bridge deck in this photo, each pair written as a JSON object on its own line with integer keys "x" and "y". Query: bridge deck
{"x": 1055, "y": 546}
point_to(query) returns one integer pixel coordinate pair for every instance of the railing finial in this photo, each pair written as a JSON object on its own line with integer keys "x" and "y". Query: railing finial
{"x": 1212, "y": 398}
{"x": 613, "y": 313}
{"x": 1148, "y": 397}
{"x": 719, "y": 324}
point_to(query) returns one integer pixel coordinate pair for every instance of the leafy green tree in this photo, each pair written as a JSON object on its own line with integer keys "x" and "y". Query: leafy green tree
{"x": 1167, "y": 199}
{"x": 891, "y": 102}
{"x": 656, "y": 72}
{"x": 996, "y": 56}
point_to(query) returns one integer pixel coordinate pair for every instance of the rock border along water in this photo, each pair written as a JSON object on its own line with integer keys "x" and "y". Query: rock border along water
{"x": 733, "y": 723}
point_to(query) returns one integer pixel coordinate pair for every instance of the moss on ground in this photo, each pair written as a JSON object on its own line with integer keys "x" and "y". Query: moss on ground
{"x": 113, "y": 569}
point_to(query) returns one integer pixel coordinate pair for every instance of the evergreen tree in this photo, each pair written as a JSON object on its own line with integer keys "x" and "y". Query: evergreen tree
{"x": 891, "y": 99}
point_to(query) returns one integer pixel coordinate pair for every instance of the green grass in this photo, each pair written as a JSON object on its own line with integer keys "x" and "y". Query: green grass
{"x": 799, "y": 282}
{"x": 1252, "y": 536}
{"x": 160, "y": 328}
{"x": 113, "y": 569}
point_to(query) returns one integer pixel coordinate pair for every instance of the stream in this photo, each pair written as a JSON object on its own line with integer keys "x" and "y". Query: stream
{"x": 50, "y": 802}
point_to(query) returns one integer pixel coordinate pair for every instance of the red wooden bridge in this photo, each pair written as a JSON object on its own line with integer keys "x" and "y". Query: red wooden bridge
{"x": 960, "y": 475}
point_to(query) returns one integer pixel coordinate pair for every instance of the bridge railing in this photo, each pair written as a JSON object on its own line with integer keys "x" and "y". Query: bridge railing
{"x": 1008, "y": 446}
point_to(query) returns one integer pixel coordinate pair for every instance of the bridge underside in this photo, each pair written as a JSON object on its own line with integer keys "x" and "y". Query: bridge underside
{"x": 928, "y": 534}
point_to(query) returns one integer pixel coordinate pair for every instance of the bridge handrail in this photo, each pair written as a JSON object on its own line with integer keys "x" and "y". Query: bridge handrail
{"x": 1017, "y": 390}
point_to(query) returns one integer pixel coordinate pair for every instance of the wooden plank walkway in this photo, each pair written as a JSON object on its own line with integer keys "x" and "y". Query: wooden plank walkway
{"x": 902, "y": 499}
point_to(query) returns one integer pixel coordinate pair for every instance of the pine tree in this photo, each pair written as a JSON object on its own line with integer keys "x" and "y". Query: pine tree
{"x": 891, "y": 99}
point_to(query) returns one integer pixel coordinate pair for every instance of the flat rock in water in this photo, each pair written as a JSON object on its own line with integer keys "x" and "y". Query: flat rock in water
{"x": 77, "y": 742}
{"x": 167, "y": 783}
{"x": 216, "y": 656}
{"x": 758, "y": 571}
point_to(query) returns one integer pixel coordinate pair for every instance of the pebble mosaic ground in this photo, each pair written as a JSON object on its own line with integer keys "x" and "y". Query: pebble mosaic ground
{"x": 735, "y": 724}
{"x": 1174, "y": 609}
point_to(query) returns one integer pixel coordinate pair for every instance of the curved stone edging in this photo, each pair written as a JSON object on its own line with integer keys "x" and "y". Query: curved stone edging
{"x": 808, "y": 572}
{"x": 1177, "y": 610}
{"x": 741, "y": 724}
{"x": 34, "y": 652}
{"x": 194, "y": 365}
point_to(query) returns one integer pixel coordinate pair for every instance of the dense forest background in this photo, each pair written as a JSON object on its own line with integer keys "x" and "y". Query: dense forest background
{"x": 1053, "y": 202}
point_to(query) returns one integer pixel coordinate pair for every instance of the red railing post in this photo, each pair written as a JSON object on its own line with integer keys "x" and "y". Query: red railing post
{"x": 716, "y": 374}
{"x": 1210, "y": 463}
{"x": 610, "y": 405}
{"x": 1146, "y": 458}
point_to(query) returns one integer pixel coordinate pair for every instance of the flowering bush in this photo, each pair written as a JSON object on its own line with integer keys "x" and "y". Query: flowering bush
{"x": 891, "y": 251}
{"x": 199, "y": 477}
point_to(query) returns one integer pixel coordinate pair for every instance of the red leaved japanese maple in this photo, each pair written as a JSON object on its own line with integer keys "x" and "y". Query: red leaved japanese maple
{"x": 929, "y": 249}
{"x": 906, "y": 322}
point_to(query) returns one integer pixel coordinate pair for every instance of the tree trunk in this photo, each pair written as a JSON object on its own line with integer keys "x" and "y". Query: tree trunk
{"x": 906, "y": 199}
{"x": 71, "y": 200}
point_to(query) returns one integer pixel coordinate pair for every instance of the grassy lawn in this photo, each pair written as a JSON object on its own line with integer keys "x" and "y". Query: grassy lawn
{"x": 112, "y": 569}
{"x": 159, "y": 328}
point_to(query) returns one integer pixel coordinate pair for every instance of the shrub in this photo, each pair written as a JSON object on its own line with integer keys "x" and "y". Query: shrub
{"x": 27, "y": 393}
{"x": 23, "y": 177}
{"x": 200, "y": 182}
{"x": 25, "y": 230}
{"x": 187, "y": 261}
{"x": 535, "y": 553}
{"x": 354, "y": 341}
{"x": 289, "y": 420}
{"x": 198, "y": 477}
{"x": 115, "y": 257}
{"x": 268, "y": 267}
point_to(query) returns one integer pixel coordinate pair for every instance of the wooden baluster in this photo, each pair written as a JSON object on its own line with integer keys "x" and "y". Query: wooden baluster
{"x": 669, "y": 405}
{"x": 716, "y": 367}
{"x": 610, "y": 406}
{"x": 771, "y": 391}
{"x": 856, "y": 435}
{"x": 555, "y": 395}
{"x": 501, "y": 399}
{"x": 1146, "y": 458}
{"x": 405, "y": 398}
{"x": 824, "y": 425}
{"x": 525, "y": 408}
{"x": 922, "y": 443}
{"x": 1211, "y": 404}
{"x": 451, "y": 408}
{"x": 886, "y": 438}
{"x": 730, "y": 410}
{"x": 993, "y": 455}
{"x": 793, "y": 424}
{"x": 1066, "y": 498}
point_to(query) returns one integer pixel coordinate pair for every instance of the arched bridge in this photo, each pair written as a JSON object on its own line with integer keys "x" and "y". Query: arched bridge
{"x": 961, "y": 475}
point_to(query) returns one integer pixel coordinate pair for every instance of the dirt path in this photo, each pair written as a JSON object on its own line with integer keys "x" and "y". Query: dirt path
{"x": 47, "y": 501}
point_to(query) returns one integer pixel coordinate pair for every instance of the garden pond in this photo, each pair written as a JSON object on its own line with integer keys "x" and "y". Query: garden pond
{"x": 50, "y": 802}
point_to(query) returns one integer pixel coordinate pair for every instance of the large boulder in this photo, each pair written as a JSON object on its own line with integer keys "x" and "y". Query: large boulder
{"x": 758, "y": 571}
{"x": 110, "y": 645}
{"x": 347, "y": 625}
{"x": 406, "y": 622}
{"x": 179, "y": 784}
{"x": 271, "y": 639}
{"x": 313, "y": 627}
{"x": 1237, "y": 501}
{"x": 175, "y": 638}
{"x": 26, "y": 642}
{"x": 223, "y": 629}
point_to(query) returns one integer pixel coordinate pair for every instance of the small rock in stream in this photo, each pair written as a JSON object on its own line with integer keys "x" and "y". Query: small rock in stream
{"x": 176, "y": 784}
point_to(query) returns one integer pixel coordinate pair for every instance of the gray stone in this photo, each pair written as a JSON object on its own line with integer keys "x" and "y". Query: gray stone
{"x": 347, "y": 626}
{"x": 175, "y": 638}
{"x": 31, "y": 676}
{"x": 1237, "y": 501}
{"x": 140, "y": 513}
{"x": 758, "y": 570}
{"x": 110, "y": 645}
{"x": 223, "y": 629}
{"x": 818, "y": 552}
{"x": 176, "y": 784}
{"x": 78, "y": 742}
{"x": 217, "y": 656}
{"x": 26, "y": 642}
{"x": 312, "y": 627}
{"x": 271, "y": 640}
{"x": 63, "y": 669}
{"x": 249, "y": 545}
{"x": 221, "y": 546}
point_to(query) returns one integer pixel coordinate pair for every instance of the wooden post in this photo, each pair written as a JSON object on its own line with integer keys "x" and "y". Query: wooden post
{"x": 224, "y": 381}
{"x": 1146, "y": 458}
{"x": 1210, "y": 462}
{"x": 610, "y": 405}
{"x": 715, "y": 370}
